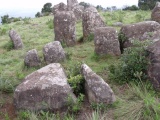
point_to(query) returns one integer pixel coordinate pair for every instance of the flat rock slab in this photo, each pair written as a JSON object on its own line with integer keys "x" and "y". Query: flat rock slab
{"x": 44, "y": 89}
{"x": 97, "y": 90}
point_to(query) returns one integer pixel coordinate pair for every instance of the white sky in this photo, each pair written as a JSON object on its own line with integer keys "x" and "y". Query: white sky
{"x": 28, "y": 8}
{"x": 34, "y": 4}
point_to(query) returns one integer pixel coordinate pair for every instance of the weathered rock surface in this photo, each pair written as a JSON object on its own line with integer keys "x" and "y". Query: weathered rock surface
{"x": 91, "y": 20}
{"x": 16, "y": 39}
{"x": 156, "y": 13}
{"x": 137, "y": 31}
{"x": 118, "y": 24}
{"x": 44, "y": 89}
{"x": 71, "y": 4}
{"x": 53, "y": 52}
{"x": 32, "y": 59}
{"x": 59, "y": 7}
{"x": 106, "y": 41}
{"x": 64, "y": 27}
{"x": 97, "y": 89}
{"x": 78, "y": 12}
{"x": 154, "y": 67}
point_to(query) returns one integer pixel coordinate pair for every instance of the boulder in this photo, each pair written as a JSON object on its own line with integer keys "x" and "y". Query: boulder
{"x": 106, "y": 41}
{"x": 91, "y": 20}
{"x": 154, "y": 67}
{"x": 137, "y": 31}
{"x": 16, "y": 39}
{"x": 118, "y": 24}
{"x": 53, "y": 52}
{"x": 71, "y": 4}
{"x": 32, "y": 59}
{"x": 64, "y": 27}
{"x": 97, "y": 90}
{"x": 155, "y": 15}
{"x": 44, "y": 89}
{"x": 78, "y": 12}
{"x": 59, "y": 7}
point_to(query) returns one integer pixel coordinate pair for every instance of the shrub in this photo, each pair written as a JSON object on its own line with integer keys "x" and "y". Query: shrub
{"x": 133, "y": 64}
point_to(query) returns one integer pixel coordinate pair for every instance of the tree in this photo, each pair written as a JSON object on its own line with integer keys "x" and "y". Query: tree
{"x": 99, "y": 8}
{"x": 147, "y": 4}
{"x": 5, "y": 19}
{"x": 47, "y": 8}
{"x": 84, "y": 4}
{"x": 132, "y": 8}
{"x": 38, "y": 14}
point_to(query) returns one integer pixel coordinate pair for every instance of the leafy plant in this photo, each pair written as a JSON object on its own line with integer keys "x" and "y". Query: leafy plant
{"x": 133, "y": 64}
{"x": 75, "y": 107}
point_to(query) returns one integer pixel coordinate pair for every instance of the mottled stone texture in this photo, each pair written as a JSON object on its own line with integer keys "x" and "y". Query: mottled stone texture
{"x": 32, "y": 59}
{"x": 91, "y": 20}
{"x": 154, "y": 67}
{"x": 64, "y": 27}
{"x": 106, "y": 41}
{"x": 137, "y": 31}
{"x": 71, "y": 4}
{"x": 44, "y": 89}
{"x": 156, "y": 13}
{"x": 97, "y": 90}
{"x": 78, "y": 12}
{"x": 59, "y": 7}
{"x": 53, "y": 52}
{"x": 16, "y": 39}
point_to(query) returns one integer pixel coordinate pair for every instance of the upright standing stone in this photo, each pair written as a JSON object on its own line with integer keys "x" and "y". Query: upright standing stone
{"x": 91, "y": 20}
{"x": 98, "y": 91}
{"x": 78, "y": 12}
{"x": 59, "y": 7}
{"x": 154, "y": 67}
{"x": 71, "y": 4}
{"x": 16, "y": 39}
{"x": 44, "y": 89}
{"x": 137, "y": 31}
{"x": 53, "y": 52}
{"x": 106, "y": 41}
{"x": 156, "y": 13}
{"x": 32, "y": 59}
{"x": 64, "y": 27}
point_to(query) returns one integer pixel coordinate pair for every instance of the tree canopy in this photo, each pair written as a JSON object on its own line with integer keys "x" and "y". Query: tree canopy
{"x": 147, "y": 4}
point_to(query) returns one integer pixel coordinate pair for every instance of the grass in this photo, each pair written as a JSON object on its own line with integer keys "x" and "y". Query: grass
{"x": 37, "y": 32}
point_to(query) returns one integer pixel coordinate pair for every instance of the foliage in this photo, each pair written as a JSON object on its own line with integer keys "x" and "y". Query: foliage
{"x": 75, "y": 106}
{"x": 26, "y": 20}
{"x": 3, "y": 30}
{"x": 147, "y": 4}
{"x": 47, "y": 8}
{"x": 133, "y": 64}
{"x": 141, "y": 104}
{"x": 84, "y": 4}
{"x": 38, "y": 14}
{"x": 90, "y": 37}
{"x": 9, "y": 45}
{"x": 5, "y": 19}
{"x": 132, "y": 8}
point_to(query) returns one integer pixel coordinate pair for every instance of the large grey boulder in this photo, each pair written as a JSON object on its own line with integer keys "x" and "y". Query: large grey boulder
{"x": 32, "y": 59}
{"x": 71, "y": 4}
{"x": 59, "y": 7}
{"x": 64, "y": 27}
{"x": 154, "y": 67}
{"x": 137, "y": 31}
{"x": 156, "y": 13}
{"x": 16, "y": 39}
{"x": 97, "y": 90}
{"x": 44, "y": 89}
{"x": 106, "y": 41}
{"x": 91, "y": 20}
{"x": 53, "y": 52}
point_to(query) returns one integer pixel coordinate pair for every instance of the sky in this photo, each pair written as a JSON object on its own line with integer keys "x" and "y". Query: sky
{"x": 23, "y": 8}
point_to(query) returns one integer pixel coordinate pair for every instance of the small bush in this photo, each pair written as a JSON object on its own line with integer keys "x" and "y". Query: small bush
{"x": 132, "y": 66}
